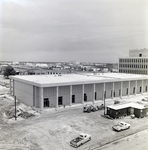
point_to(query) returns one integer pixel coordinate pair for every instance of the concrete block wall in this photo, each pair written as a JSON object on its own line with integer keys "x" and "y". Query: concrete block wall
{"x": 109, "y": 89}
{"x": 139, "y": 85}
{"x": 77, "y": 91}
{"x": 99, "y": 88}
{"x": 50, "y": 92}
{"x": 88, "y": 90}
{"x": 23, "y": 92}
{"x": 125, "y": 85}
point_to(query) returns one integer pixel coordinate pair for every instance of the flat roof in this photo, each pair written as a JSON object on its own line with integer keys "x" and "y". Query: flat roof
{"x": 75, "y": 79}
{"x": 126, "y": 105}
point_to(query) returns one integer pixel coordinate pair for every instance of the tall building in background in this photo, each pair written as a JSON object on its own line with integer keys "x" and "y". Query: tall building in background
{"x": 136, "y": 63}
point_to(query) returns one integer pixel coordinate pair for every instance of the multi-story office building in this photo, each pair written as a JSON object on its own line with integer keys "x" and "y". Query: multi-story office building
{"x": 136, "y": 63}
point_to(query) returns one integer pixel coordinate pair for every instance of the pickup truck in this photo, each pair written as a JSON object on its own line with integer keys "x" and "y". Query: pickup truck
{"x": 80, "y": 140}
{"x": 121, "y": 126}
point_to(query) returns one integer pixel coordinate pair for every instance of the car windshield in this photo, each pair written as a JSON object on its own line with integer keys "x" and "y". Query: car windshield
{"x": 77, "y": 139}
{"x": 121, "y": 123}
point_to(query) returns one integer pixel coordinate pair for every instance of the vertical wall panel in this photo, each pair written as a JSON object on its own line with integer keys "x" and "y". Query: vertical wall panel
{"x": 99, "y": 90}
{"x": 145, "y": 83}
{"x": 117, "y": 88}
{"x": 132, "y": 86}
{"x": 88, "y": 90}
{"x": 139, "y": 84}
{"x": 117, "y": 85}
{"x": 77, "y": 91}
{"x": 124, "y": 88}
{"x": 24, "y": 92}
{"x": 50, "y": 93}
{"x": 109, "y": 89}
{"x": 64, "y": 91}
{"x": 37, "y": 99}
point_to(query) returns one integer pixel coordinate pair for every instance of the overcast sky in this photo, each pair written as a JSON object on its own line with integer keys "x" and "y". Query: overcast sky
{"x": 72, "y": 30}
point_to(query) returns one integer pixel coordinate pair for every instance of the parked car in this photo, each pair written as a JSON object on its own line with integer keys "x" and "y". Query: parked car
{"x": 80, "y": 140}
{"x": 100, "y": 107}
{"x": 145, "y": 99}
{"x": 89, "y": 108}
{"x": 116, "y": 102}
{"x": 121, "y": 126}
{"x": 132, "y": 116}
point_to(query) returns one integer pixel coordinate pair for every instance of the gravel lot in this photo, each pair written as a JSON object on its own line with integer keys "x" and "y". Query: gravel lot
{"x": 53, "y": 129}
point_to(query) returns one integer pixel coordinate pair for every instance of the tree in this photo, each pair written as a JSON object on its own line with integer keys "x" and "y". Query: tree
{"x": 9, "y": 70}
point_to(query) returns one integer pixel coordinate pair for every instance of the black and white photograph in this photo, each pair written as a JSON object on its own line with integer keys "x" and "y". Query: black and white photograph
{"x": 73, "y": 74}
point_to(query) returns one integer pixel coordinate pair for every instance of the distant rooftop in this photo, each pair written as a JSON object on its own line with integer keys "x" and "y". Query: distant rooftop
{"x": 74, "y": 79}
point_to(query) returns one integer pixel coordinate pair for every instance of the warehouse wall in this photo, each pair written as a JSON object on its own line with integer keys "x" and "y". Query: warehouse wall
{"x": 145, "y": 85}
{"x": 132, "y": 86}
{"x": 64, "y": 91}
{"x": 125, "y": 87}
{"x": 77, "y": 91}
{"x": 88, "y": 90}
{"x": 23, "y": 92}
{"x": 139, "y": 85}
{"x": 36, "y": 97}
{"x": 117, "y": 89}
{"x": 29, "y": 94}
{"x": 109, "y": 89}
{"x": 99, "y": 87}
{"x": 50, "y": 92}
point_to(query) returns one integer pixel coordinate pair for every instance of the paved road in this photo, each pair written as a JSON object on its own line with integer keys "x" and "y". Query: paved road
{"x": 138, "y": 141}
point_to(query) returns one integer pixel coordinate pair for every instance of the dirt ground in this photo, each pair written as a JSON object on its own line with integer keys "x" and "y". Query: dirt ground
{"x": 53, "y": 129}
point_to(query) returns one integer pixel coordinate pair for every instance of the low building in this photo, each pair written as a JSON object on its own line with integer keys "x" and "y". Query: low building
{"x": 120, "y": 110}
{"x": 67, "y": 89}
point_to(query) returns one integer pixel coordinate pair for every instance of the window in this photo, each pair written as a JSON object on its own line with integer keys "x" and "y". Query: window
{"x": 140, "y": 55}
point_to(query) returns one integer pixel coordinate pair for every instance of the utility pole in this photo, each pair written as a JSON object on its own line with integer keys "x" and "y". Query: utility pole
{"x": 15, "y": 106}
{"x": 104, "y": 102}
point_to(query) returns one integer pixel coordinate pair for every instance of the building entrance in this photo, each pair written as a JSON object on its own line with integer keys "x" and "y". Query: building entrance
{"x": 73, "y": 98}
{"x": 85, "y": 97}
{"x": 60, "y": 100}
{"x": 46, "y": 102}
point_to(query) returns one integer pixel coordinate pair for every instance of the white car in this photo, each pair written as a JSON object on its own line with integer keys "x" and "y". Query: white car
{"x": 121, "y": 126}
{"x": 80, "y": 140}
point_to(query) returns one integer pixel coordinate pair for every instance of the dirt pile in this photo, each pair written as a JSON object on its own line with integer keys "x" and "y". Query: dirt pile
{"x": 22, "y": 111}
{"x": 10, "y": 113}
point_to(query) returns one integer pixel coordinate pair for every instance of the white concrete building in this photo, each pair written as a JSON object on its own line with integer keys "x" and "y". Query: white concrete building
{"x": 53, "y": 90}
{"x": 136, "y": 63}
